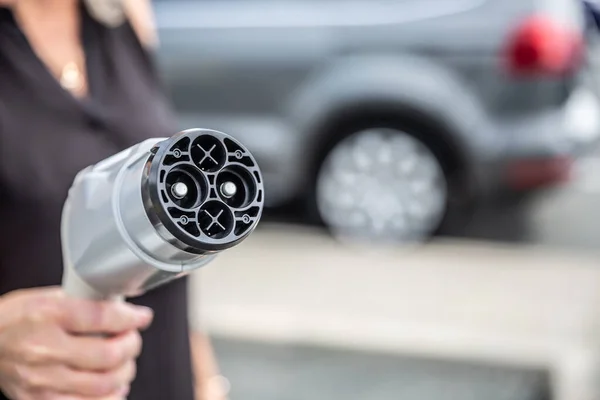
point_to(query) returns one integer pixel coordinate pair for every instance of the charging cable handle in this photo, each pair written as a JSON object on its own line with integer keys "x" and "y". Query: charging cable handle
{"x": 157, "y": 211}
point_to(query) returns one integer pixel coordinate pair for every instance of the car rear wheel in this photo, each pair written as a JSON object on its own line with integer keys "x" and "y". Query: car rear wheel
{"x": 381, "y": 185}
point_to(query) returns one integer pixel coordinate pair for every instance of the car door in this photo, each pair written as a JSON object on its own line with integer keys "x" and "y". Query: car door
{"x": 229, "y": 59}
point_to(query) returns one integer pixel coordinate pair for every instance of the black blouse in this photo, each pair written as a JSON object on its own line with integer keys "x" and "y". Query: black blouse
{"x": 46, "y": 137}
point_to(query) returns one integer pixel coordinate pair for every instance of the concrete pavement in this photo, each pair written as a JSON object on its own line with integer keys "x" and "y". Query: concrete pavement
{"x": 569, "y": 217}
{"x": 488, "y": 303}
{"x": 298, "y": 372}
{"x": 294, "y": 284}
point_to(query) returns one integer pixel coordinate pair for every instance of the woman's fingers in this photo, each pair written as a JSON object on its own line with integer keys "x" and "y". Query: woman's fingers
{"x": 102, "y": 353}
{"x": 108, "y": 317}
{"x": 42, "y": 382}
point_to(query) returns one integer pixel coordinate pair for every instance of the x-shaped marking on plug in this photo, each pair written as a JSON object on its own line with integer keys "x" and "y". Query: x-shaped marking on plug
{"x": 207, "y": 154}
{"x": 214, "y": 220}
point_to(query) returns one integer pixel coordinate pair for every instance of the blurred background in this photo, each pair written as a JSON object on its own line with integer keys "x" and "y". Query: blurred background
{"x": 432, "y": 179}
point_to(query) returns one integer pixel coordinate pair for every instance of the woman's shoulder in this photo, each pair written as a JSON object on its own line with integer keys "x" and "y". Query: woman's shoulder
{"x": 138, "y": 13}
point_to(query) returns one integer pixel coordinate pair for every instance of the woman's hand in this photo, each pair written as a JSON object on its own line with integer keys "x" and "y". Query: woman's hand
{"x": 48, "y": 351}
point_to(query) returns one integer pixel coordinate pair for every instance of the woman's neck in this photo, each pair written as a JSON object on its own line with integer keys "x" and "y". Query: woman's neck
{"x": 46, "y": 11}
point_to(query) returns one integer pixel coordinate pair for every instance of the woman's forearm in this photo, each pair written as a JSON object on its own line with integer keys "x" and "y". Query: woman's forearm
{"x": 210, "y": 385}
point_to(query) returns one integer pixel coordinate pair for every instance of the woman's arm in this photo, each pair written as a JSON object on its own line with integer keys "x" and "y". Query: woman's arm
{"x": 210, "y": 385}
{"x": 141, "y": 17}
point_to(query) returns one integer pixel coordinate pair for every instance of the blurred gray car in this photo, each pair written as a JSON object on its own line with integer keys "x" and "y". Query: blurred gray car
{"x": 388, "y": 116}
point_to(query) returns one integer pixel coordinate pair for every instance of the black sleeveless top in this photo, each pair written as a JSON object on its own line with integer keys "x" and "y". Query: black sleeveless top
{"x": 46, "y": 137}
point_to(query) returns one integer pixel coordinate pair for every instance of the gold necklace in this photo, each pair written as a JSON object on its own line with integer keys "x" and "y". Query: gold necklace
{"x": 71, "y": 78}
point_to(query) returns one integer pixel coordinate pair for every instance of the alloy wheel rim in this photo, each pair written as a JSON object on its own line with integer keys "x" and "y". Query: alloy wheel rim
{"x": 382, "y": 185}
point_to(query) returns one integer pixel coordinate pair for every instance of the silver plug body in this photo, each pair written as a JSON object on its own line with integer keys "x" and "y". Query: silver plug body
{"x": 156, "y": 212}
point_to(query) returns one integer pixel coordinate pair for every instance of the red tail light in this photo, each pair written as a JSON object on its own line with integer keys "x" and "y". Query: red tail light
{"x": 541, "y": 45}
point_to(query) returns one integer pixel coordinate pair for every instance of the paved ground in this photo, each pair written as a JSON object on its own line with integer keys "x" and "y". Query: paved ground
{"x": 293, "y": 372}
{"x": 456, "y": 301}
{"x": 570, "y": 217}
